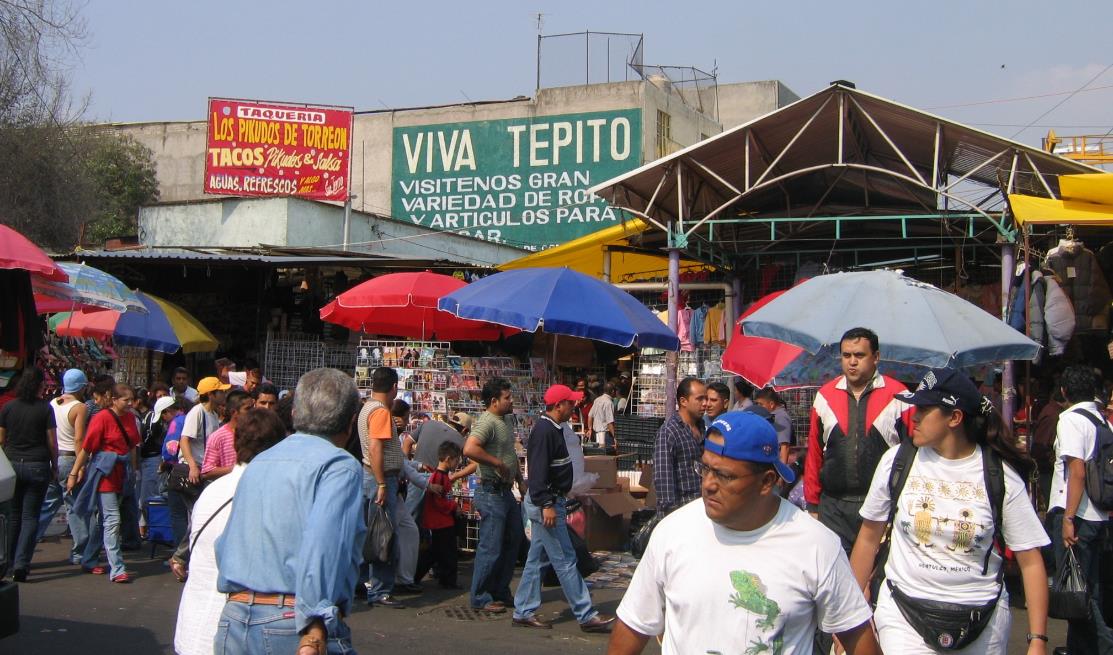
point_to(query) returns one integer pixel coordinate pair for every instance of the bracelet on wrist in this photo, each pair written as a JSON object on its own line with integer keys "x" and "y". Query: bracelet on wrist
{"x": 1034, "y": 635}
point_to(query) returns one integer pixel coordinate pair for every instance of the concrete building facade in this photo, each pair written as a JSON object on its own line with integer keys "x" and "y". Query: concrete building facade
{"x": 512, "y": 172}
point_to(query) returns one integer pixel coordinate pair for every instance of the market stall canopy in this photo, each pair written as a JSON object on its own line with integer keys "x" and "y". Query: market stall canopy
{"x": 17, "y": 252}
{"x": 561, "y": 301}
{"x": 405, "y": 305}
{"x": 165, "y": 327}
{"x": 90, "y": 286}
{"x": 823, "y": 171}
{"x": 1084, "y": 200}
{"x": 916, "y": 323}
{"x": 586, "y": 254}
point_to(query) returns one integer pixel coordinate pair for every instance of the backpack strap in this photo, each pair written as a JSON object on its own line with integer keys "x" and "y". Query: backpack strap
{"x": 898, "y": 475}
{"x": 993, "y": 470}
{"x": 1098, "y": 425}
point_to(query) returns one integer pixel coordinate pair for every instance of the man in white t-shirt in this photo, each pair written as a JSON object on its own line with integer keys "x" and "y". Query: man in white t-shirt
{"x": 600, "y": 418}
{"x": 740, "y": 570}
{"x": 1074, "y": 521}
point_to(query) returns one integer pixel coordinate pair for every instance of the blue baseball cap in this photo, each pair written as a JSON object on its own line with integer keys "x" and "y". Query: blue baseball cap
{"x": 74, "y": 380}
{"x": 749, "y": 438}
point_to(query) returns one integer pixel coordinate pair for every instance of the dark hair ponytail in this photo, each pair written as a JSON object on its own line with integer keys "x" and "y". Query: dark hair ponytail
{"x": 991, "y": 430}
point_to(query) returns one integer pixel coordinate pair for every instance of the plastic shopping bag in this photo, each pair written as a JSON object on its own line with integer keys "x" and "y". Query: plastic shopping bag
{"x": 1068, "y": 598}
{"x": 380, "y": 535}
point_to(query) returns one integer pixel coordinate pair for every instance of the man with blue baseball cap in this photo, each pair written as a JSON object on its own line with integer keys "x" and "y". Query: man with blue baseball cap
{"x": 740, "y": 569}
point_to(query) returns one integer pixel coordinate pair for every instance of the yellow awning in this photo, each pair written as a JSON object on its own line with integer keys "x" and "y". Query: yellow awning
{"x": 1086, "y": 199}
{"x": 585, "y": 255}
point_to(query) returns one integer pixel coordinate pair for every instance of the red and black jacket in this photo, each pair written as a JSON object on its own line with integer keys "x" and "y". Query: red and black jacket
{"x": 847, "y": 437}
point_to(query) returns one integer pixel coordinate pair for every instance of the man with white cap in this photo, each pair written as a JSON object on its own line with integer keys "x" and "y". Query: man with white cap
{"x": 150, "y": 452}
{"x": 740, "y": 569}
{"x": 550, "y": 479}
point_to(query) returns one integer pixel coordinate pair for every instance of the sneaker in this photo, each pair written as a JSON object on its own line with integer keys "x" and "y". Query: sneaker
{"x": 96, "y": 570}
{"x": 123, "y": 578}
{"x": 388, "y": 601}
{"x": 19, "y": 575}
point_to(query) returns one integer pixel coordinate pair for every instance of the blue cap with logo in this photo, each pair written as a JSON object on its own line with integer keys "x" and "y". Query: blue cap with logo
{"x": 74, "y": 380}
{"x": 749, "y": 438}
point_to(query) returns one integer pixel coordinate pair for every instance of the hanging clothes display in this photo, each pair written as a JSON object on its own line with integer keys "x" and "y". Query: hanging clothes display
{"x": 1080, "y": 275}
{"x": 683, "y": 327}
{"x": 699, "y": 317}
{"x": 1049, "y": 317}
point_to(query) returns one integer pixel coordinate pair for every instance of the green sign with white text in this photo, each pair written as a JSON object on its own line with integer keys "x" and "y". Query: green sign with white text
{"x": 519, "y": 181}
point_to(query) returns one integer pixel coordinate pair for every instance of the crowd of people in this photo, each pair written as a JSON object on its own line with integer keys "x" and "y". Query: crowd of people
{"x": 276, "y": 501}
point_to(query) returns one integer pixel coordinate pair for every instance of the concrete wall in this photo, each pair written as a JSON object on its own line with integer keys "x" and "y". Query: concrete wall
{"x": 293, "y": 222}
{"x": 742, "y": 102}
{"x": 179, "y": 150}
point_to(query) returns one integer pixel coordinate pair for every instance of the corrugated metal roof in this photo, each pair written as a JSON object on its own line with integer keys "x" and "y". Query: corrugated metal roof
{"x": 227, "y": 257}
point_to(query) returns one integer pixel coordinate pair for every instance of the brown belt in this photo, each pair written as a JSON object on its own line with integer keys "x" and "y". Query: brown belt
{"x": 252, "y": 598}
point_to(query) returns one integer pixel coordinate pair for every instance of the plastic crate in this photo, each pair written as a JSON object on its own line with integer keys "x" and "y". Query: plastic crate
{"x": 468, "y": 539}
{"x": 637, "y": 428}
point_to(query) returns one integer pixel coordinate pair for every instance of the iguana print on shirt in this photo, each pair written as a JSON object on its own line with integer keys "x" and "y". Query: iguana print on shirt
{"x": 750, "y": 596}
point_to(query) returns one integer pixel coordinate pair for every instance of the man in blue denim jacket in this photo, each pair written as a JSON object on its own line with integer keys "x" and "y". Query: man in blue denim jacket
{"x": 290, "y": 555}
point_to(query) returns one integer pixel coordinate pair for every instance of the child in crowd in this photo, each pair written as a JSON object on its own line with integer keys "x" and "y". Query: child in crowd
{"x": 439, "y": 516}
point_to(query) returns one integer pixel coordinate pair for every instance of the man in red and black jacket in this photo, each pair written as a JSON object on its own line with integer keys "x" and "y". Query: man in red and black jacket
{"x": 855, "y": 418}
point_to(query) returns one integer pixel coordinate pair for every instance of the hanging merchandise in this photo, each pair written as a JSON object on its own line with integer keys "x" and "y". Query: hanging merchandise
{"x": 434, "y": 381}
{"x": 1049, "y": 318}
{"x": 1081, "y": 277}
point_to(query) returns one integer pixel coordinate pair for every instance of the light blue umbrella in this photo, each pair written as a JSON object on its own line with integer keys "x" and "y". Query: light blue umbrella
{"x": 90, "y": 286}
{"x": 561, "y": 301}
{"x": 916, "y": 323}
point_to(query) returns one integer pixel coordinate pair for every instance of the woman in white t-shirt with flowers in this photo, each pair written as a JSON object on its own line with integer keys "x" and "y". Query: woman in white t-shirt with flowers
{"x": 943, "y": 526}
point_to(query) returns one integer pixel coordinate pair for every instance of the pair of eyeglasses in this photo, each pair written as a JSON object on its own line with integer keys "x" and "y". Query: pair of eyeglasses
{"x": 722, "y": 478}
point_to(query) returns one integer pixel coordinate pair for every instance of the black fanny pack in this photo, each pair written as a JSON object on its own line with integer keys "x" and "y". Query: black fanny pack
{"x": 949, "y": 626}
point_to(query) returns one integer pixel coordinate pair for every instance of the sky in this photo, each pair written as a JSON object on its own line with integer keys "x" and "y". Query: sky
{"x": 965, "y": 60}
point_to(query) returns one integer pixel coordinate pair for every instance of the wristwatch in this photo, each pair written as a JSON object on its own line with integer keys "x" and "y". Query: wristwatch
{"x": 1032, "y": 635}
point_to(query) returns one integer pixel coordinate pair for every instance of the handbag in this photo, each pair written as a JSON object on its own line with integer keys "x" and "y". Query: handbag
{"x": 178, "y": 481}
{"x": 1069, "y": 598}
{"x": 380, "y": 535}
{"x": 950, "y": 626}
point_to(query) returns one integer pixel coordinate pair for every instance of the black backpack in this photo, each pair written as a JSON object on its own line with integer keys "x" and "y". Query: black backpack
{"x": 993, "y": 472}
{"x": 1099, "y": 468}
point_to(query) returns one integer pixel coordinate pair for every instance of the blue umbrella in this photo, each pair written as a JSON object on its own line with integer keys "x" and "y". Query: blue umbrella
{"x": 561, "y": 301}
{"x": 916, "y": 323}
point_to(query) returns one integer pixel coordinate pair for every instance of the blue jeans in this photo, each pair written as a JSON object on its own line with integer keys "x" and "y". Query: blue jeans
{"x": 555, "y": 543}
{"x": 500, "y": 536}
{"x": 55, "y": 496}
{"x": 1083, "y": 637}
{"x": 31, "y": 480}
{"x": 381, "y": 582}
{"x": 148, "y": 484}
{"x": 109, "y": 537}
{"x": 263, "y": 629}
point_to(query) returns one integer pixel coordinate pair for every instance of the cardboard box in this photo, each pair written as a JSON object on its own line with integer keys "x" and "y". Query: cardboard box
{"x": 646, "y": 481}
{"x": 606, "y": 467}
{"x": 607, "y": 519}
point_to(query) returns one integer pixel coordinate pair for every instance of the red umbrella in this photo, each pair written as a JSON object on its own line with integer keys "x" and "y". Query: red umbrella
{"x": 405, "y": 305}
{"x": 758, "y": 359}
{"x": 17, "y": 251}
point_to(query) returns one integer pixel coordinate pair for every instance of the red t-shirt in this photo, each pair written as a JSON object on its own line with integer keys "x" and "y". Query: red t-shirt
{"x": 439, "y": 511}
{"x": 104, "y": 434}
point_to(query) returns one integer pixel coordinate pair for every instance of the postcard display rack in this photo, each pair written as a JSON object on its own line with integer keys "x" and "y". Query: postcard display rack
{"x": 137, "y": 366}
{"x": 438, "y": 383}
{"x": 705, "y": 363}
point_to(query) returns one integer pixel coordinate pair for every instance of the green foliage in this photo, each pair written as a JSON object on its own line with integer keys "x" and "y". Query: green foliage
{"x": 122, "y": 173}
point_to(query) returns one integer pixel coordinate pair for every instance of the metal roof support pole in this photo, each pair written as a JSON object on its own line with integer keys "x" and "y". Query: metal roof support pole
{"x": 890, "y": 142}
{"x": 1043, "y": 181}
{"x": 606, "y": 264}
{"x": 1008, "y": 382}
{"x": 1012, "y": 171}
{"x": 791, "y": 142}
{"x": 672, "y": 358}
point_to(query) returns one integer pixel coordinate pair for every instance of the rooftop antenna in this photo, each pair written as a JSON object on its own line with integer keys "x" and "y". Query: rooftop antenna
{"x": 540, "y": 26}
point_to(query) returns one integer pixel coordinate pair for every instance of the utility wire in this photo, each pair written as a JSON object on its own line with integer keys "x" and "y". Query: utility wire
{"x": 1060, "y": 103}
